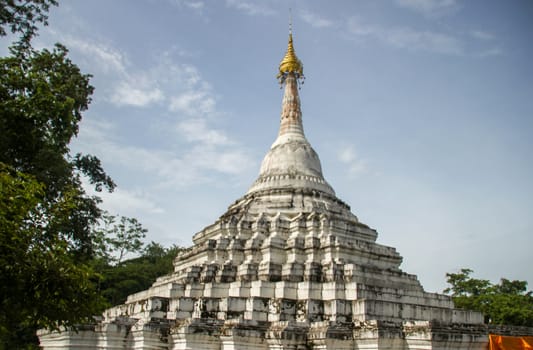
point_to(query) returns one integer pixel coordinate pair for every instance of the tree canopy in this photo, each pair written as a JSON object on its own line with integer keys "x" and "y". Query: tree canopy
{"x": 137, "y": 274}
{"x": 41, "y": 283}
{"x": 506, "y": 303}
{"x": 43, "y": 95}
{"x": 117, "y": 237}
{"x": 61, "y": 256}
{"x": 22, "y": 16}
{"x": 48, "y": 221}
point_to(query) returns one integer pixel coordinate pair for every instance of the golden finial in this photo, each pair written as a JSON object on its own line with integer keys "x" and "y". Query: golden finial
{"x": 290, "y": 63}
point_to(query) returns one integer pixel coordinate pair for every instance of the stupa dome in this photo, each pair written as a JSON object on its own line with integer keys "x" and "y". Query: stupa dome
{"x": 291, "y": 162}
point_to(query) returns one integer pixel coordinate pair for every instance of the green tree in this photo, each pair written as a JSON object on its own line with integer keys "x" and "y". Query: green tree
{"x": 134, "y": 275}
{"x": 117, "y": 237}
{"x": 47, "y": 220}
{"x": 22, "y": 16}
{"x": 42, "y": 97}
{"x": 508, "y": 302}
{"x": 41, "y": 284}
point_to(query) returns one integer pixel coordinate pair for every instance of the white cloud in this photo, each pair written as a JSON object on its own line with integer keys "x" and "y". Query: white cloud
{"x": 109, "y": 59}
{"x": 491, "y": 52}
{"x": 167, "y": 167}
{"x": 409, "y": 38}
{"x": 250, "y": 7}
{"x": 162, "y": 83}
{"x": 481, "y": 35}
{"x": 429, "y": 7}
{"x": 210, "y": 155}
{"x": 192, "y": 4}
{"x": 193, "y": 103}
{"x": 191, "y": 75}
{"x": 424, "y": 40}
{"x": 124, "y": 202}
{"x": 406, "y": 38}
{"x": 348, "y": 156}
{"x": 179, "y": 85}
{"x": 359, "y": 28}
{"x": 196, "y": 5}
{"x": 196, "y": 130}
{"x": 229, "y": 161}
{"x": 315, "y": 20}
{"x": 130, "y": 94}
{"x": 128, "y": 87}
{"x": 96, "y": 131}
{"x": 181, "y": 89}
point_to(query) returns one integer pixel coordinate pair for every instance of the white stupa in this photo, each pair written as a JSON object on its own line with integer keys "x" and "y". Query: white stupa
{"x": 288, "y": 266}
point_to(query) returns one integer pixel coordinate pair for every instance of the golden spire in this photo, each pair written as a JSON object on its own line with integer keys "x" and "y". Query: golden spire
{"x": 290, "y": 63}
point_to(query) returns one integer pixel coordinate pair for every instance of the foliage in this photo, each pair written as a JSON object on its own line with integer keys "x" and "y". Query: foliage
{"x": 134, "y": 275}
{"x": 42, "y": 96}
{"x": 507, "y": 303}
{"x": 60, "y": 255}
{"x": 22, "y": 16}
{"x": 46, "y": 219}
{"x": 41, "y": 284}
{"x": 116, "y": 238}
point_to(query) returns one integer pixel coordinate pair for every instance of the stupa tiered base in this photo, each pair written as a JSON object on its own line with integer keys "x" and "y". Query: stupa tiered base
{"x": 310, "y": 278}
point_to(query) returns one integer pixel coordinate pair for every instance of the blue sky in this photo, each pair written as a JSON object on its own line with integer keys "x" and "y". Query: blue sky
{"x": 421, "y": 112}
